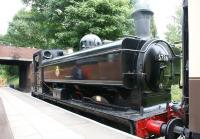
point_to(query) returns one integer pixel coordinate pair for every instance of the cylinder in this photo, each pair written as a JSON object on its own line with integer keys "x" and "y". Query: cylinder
{"x": 154, "y": 126}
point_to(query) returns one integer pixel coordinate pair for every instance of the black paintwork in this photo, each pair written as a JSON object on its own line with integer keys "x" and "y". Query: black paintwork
{"x": 147, "y": 73}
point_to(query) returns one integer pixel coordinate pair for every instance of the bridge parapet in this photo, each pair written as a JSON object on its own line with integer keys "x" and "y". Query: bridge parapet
{"x": 16, "y": 53}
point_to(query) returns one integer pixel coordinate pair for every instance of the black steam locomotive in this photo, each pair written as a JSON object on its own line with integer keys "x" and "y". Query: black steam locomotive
{"x": 131, "y": 74}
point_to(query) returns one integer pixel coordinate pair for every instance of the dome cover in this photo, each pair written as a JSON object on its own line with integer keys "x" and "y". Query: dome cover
{"x": 90, "y": 40}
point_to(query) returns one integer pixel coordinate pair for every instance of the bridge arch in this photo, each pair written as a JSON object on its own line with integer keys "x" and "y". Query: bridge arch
{"x": 21, "y": 57}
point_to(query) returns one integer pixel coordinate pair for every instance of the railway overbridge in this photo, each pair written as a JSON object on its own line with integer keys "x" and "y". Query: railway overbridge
{"x": 21, "y": 57}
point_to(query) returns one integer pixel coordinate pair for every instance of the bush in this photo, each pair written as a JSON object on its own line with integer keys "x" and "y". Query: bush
{"x": 176, "y": 93}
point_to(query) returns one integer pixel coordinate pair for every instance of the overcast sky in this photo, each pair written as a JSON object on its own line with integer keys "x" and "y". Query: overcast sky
{"x": 8, "y": 8}
{"x": 163, "y": 12}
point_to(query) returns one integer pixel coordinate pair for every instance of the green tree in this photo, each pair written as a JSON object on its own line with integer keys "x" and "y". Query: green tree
{"x": 154, "y": 31}
{"x": 25, "y": 31}
{"x": 106, "y": 18}
{"x": 62, "y": 23}
{"x": 173, "y": 33}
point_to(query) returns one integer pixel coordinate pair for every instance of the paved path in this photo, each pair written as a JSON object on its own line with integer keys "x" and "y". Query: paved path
{"x": 31, "y": 118}
{"x": 5, "y": 130}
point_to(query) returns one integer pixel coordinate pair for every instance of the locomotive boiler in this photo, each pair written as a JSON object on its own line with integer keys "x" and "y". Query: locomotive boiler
{"x": 130, "y": 74}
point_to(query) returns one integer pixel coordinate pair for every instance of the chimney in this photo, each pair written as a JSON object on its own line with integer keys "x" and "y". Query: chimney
{"x": 142, "y": 18}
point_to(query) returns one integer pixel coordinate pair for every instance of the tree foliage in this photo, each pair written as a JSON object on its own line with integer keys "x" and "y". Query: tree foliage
{"x": 61, "y": 24}
{"x": 173, "y": 33}
{"x": 107, "y": 19}
{"x": 24, "y": 31}
{"x": 7, "y": 70}
{"x": 154, "y": 31}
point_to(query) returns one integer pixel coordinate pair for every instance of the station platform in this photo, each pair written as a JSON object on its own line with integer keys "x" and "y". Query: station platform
{"x": 26, "y": 117}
